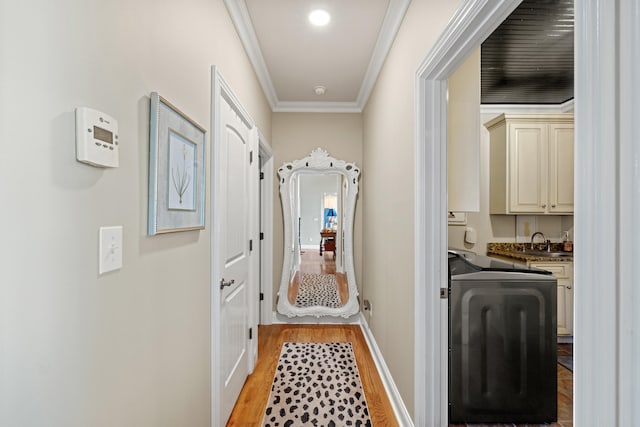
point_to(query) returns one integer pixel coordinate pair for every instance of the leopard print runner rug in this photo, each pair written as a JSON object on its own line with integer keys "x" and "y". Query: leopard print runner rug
{"x": 318, "y": 290}
{"x": 317, "y": 384}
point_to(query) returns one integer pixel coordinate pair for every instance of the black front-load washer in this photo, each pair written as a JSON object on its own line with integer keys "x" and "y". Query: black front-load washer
{"x": 502, "y": 341}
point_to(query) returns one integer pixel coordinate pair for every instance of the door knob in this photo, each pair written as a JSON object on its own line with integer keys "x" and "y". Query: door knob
{"x": 224, "y": 284}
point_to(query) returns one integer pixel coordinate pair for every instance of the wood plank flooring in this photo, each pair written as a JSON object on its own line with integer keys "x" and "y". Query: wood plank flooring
{"x": 249, "y": 409}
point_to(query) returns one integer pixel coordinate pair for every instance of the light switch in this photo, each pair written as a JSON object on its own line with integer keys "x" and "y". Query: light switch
{"x": 110, "y": 249}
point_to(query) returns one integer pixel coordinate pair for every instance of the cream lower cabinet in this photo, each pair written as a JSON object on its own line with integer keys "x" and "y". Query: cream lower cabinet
{"x": 563, "y": 272}
{"x": 531, "y": 164}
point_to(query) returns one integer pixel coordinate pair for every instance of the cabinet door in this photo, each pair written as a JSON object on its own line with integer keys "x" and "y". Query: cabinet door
{"x": 528, "y": 168}
{"x": 565, "y": 306}
{"x": 563, "y": 272}
{"x": 561, "y": 168}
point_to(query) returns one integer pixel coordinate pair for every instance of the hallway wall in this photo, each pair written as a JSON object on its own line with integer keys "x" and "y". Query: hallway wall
{"x": 132, "y": 347}
{"x": 389, "y": 117}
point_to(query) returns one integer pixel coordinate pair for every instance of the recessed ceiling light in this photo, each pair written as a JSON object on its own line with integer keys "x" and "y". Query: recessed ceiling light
{"x": 319, "y": 90}
{"x": 319, "y": 17}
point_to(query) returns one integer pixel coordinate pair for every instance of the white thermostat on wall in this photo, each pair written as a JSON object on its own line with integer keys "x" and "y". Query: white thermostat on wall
{"x": 96, "y": 138}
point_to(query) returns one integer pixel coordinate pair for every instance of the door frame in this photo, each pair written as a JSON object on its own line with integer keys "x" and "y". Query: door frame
{"x": 266, "y": 227}
{"x": 472, "y": 23}
{"x": 221, "y": 90}
{"x": 607, "y": 203}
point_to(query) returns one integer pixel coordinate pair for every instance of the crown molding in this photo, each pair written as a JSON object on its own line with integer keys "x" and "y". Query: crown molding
{"x": 565, "y": 107}
{"x": 569, "y": 106}
{"x": 390, "y": 25}
{"x": 242, "y": 21}
{"x": 317, "y": 107}
{"x": 388, "y": 31}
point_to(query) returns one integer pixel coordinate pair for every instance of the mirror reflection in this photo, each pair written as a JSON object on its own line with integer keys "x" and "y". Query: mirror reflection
{"x": 318, "y": 196}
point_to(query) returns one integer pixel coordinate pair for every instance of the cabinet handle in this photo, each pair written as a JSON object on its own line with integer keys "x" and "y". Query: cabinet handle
{"x": 553, "y": 206}
{"x": 544, "y": 206}
{"x": 568, "y": 287}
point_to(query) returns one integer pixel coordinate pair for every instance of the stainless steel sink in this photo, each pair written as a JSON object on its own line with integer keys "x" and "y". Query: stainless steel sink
{"x": 542, "y": 253}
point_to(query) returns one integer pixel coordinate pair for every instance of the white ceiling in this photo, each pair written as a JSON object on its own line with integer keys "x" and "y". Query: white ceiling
{"x": 291, "y": 56}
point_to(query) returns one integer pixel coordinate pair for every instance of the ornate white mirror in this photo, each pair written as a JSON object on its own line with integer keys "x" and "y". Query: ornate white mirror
{"x": 318, "y": 196}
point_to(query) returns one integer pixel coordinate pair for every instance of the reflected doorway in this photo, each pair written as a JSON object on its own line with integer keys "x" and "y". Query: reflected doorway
{"x": 319, "y": 279}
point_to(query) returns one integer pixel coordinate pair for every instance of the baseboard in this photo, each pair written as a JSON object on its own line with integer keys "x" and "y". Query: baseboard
{"x": 312, "y": 320}
{"x": 565, "y": 339}
{"x": 402, "y": 415}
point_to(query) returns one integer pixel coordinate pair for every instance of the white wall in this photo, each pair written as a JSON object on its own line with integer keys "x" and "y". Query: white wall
{"x": 132, "y": 347}
{"x": 389, "y": 117}
{"x": 463, "y": 138}
{"x": 312, "y": 191}
{"x": 294, "y": 136}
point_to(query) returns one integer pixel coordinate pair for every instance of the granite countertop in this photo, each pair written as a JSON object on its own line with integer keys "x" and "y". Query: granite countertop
{"x": 515, "y": 251}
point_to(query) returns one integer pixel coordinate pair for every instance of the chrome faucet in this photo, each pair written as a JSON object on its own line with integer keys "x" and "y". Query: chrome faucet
{"x": 534, "y": 235}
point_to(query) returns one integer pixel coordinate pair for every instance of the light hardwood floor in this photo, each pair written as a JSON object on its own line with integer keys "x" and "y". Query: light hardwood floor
{"x": 313, "y": 262}
{"x": 249, "y": 409}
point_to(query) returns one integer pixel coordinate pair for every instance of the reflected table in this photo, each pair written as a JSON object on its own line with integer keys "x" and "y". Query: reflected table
{"x": 328, "y": 241}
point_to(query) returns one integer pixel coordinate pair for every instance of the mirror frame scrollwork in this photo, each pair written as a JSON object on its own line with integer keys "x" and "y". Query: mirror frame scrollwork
{"x": 319, "y": 161}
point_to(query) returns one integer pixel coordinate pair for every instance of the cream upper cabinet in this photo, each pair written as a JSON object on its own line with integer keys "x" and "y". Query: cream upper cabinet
{"x": 531, "y": 169}
{"x": 561, "y": 168}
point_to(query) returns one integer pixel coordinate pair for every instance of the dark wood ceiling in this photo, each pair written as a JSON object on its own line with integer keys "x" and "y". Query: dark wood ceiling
{"x": 529, "y": 58}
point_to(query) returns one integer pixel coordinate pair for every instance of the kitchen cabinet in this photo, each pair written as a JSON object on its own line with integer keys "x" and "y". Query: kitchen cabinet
{"x": 563, "y": 272}
{"x": 531, "y": 164}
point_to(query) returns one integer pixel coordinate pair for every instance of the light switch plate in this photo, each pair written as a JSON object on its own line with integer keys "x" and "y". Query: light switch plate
{"x": 110, "y": 249}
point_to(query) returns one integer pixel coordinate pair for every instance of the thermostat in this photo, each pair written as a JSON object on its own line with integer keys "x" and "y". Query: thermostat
{"x": 96, "y": 138}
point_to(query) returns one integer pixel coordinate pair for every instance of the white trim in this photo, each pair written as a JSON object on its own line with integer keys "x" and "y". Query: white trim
{"x": 526, "y": 109}
{"x": 399, "y": 409}
{"x": 390, "y": 25}
{"x": 629, "y": 320}
{"x": 242, "y": 21}
{"x": 471, "y": 24}
{"x": 219, "y": 89}
{"x": 266, "y": 227}
{"x": 253, "y": 290}
{"x": 316, "y": 107}
{"x": 313, "y": 320}
{"x": 215, "y": 263}
{"x": 599, "y": 236}
{"x": 568, "y": 107}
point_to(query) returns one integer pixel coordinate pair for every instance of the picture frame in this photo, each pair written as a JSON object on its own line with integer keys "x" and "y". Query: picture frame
{"x": 177, "y": 164}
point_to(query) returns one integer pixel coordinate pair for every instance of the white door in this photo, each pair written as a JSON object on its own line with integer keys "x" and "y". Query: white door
{"x": 235, "y": 256}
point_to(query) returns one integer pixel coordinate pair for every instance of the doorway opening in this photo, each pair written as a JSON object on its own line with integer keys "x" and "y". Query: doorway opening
{"x": 468, "y": 28}
{"x": 471, "y": 25}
